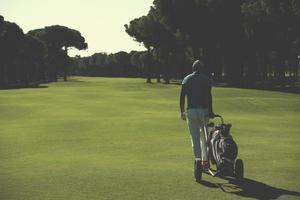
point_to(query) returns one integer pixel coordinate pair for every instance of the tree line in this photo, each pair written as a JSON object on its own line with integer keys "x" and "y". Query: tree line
{"x": 243, "y": 42}
{"x": 37, "y": 56}
{"x": 120, "y": 64}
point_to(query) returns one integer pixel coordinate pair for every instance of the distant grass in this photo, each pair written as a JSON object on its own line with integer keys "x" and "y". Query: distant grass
{"x": 105, "y": 138}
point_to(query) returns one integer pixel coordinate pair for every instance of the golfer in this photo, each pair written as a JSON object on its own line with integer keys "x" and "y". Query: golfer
{"x": 197, "y": 88}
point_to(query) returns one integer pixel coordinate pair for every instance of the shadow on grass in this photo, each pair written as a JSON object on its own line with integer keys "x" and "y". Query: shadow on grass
{"x": 250, "y": 189}
{"x": 208, "y": 184}
{"x": 37, "y": 85}
{"x": 24, "y": 87}
{"x": 268, "y": 86}
{"x": 286, "y": 88}
{"x": 74, "y": 80}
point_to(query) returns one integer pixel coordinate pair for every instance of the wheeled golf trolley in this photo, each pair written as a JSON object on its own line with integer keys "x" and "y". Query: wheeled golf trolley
{"x": 222, "y": 151}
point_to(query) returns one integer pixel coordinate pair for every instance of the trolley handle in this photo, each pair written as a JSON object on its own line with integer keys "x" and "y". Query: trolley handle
{"x": 221, "y": 118}
{"x": 218, "y": 116}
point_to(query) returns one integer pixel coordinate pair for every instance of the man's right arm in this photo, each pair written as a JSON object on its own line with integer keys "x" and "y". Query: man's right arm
{"x": 182, "y": 101}
{"x": 210, "y": 107}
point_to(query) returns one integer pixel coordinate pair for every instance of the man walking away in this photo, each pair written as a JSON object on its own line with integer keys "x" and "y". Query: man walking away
{"x": 197, "y": 87}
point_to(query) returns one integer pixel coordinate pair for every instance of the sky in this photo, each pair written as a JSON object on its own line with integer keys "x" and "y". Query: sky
{"x": 101, "y": 22}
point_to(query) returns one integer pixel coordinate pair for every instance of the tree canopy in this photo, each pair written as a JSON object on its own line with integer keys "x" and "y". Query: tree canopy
{"x": 58, "y": 39}
{"x": 40, "y": 55}
{"x": 242, "y": 42}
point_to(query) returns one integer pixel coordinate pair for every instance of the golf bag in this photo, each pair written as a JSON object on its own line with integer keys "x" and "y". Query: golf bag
{"x": 222, "y": 148}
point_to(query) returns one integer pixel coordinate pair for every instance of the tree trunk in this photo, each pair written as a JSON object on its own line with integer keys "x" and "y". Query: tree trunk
{"x": 158, "y": 67}
{"x": 3, "y": 75}
{"x": 252, "y": 69}
{"x": 65, "y": 73}
{"x": 295, "y": 70}
{"x": 233, "y": 66}
{"x": 263, "y": 66}
{"x": 167, "y": 69}
{"x": 66, "y": 65}
{"x": 158, "y": 78}
{"x": 148, "y": 73}
{"x": 149, "y": 80}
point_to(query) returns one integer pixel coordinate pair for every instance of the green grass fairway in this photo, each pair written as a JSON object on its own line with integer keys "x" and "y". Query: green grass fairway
{"x": 115, "y": 138}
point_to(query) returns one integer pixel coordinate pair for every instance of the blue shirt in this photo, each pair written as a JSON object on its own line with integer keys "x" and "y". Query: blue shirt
{"x": 197, "y": 87}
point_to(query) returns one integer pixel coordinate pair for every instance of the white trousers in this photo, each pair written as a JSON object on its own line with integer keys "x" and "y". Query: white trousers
{"x": 197, "y": 120}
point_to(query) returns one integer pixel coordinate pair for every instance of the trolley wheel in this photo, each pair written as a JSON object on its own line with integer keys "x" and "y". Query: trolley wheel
{"x": 239, "y": 169}
{"x": 212, "y": 160}
{"x": 210, "y": 155}
{"x": 198, "y": 171}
